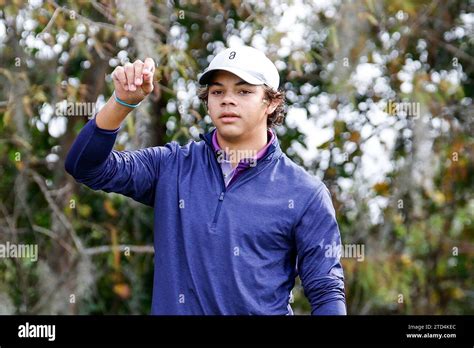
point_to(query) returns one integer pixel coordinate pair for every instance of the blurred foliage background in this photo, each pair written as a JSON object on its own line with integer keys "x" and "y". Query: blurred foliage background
{"x": 402, "y": 185}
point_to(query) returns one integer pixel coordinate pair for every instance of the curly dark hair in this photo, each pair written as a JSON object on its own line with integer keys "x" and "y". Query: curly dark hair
{"x": 276, "y": 118}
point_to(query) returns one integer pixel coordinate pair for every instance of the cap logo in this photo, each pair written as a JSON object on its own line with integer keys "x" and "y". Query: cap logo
{"x": 232, "y": 55}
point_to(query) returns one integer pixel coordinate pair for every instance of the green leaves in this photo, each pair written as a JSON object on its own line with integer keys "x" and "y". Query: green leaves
{"x": 409, "y": 222}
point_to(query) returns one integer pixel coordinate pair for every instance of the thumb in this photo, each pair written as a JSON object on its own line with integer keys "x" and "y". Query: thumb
{"x": 147, "y": 85}
{"x": 148, "y": 72}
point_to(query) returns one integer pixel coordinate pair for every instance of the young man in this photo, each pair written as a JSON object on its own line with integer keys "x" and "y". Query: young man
{"x": 235, "y": 219}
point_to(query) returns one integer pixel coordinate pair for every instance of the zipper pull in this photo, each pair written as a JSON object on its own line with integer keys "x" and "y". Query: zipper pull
{"x": 221, "y": 196}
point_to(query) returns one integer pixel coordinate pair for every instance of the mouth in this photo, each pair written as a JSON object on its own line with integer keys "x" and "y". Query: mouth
{"x": 229, "y": 117}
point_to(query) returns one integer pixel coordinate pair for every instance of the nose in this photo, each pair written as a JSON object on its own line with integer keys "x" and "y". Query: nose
{"x": 228, "y": 99}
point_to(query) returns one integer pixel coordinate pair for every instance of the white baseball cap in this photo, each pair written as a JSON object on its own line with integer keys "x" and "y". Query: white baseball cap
{"x": 248, "y": 63}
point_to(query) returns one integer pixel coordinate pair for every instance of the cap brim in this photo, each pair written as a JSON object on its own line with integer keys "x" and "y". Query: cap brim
{"x": 204, "y": 79}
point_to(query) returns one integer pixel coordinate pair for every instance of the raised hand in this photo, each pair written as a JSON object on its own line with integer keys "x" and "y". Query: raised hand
{"x": 133, "y": 82}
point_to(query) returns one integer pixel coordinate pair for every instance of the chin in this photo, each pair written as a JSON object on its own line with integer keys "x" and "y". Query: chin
{"x": 229, "y": 131}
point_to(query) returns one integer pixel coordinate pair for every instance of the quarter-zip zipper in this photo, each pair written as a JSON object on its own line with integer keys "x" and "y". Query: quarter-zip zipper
{"x": 223, "y": 190}
{"x": 218, "y": 210}
{"x": 222, "y": 182}
{"x": 223, "y": 186}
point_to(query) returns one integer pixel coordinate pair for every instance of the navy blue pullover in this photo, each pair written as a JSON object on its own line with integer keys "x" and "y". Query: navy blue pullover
{"x": 223, "y": 250}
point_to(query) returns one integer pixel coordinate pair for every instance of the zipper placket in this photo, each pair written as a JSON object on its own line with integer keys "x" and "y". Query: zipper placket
{"x": 218, "y": 210}
{"x": 224, "y": 188}
{"x": 223, "y": 191}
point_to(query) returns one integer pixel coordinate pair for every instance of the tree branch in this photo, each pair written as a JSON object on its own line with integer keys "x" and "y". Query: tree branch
{"x": 141, "y": 249}
{"x": 54, "y": 207}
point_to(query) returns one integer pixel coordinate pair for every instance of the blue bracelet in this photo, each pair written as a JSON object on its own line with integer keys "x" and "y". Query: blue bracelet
{"x": 121, "y": 102}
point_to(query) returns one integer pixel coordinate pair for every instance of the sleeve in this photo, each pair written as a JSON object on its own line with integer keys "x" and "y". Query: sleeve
{"x": 320, "y": 271}
{"x": 91, "y": 161}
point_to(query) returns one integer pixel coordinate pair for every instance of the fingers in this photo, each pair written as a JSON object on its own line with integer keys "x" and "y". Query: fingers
{"x": 148, "y": 70}
{"x": 133, "y": 76}
{"x": 138, "y": 67}
{"x": 130, "y": 74}
{"x": 119, "y": 76}
{"x": 149, "y": 65}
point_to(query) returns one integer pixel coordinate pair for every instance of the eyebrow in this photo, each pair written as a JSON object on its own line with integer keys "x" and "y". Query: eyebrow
{"x": 240, "y": 83}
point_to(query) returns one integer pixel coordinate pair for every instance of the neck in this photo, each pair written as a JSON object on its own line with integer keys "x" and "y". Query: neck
{"x": 243, "y": 147}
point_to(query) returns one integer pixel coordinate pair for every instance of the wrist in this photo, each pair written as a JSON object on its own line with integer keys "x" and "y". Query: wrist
{"x": 125, "y": 103}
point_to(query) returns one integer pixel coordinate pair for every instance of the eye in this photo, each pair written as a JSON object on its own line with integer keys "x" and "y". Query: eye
{"x": 216, "y": 92}
{"x": 244, "y": 91}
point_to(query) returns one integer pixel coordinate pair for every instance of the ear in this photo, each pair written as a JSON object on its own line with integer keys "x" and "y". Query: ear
{"x": 271, "y": 107}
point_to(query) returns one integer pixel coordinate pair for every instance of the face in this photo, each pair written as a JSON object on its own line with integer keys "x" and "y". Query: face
{"x": 237, "y": 109}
